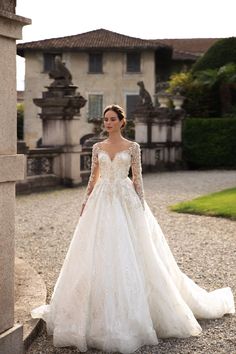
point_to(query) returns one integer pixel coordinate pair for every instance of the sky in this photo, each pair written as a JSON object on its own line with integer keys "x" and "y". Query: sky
{"x": 147, "y": 19}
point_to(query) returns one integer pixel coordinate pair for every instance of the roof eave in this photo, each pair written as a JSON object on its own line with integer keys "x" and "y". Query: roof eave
{"x": 21, "y": 51}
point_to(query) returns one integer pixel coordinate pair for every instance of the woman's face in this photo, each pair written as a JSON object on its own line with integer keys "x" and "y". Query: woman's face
{"x": 112, "y": 122}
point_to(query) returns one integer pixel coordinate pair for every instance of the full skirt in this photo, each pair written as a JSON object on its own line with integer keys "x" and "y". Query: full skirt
{"x": 120, "y": 286}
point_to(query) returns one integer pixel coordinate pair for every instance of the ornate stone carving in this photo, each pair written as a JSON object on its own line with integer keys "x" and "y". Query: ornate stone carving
{"x": 40, "y": 165}
{"x": 61, "y": 101}
{"x": 60, "y": 113}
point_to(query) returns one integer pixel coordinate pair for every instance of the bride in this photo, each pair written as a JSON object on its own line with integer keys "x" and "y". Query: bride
{"x": 120, "y": 287}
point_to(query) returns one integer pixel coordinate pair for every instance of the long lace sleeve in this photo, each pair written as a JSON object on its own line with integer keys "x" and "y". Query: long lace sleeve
{"x": 137, "y": 172}
{"x": 94, "y": 173}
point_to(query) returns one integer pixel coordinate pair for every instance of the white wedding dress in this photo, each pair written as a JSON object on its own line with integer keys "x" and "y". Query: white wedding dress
{"x": 120, "y": 286}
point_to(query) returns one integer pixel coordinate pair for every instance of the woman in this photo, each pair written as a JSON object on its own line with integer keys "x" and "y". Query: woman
{"x": 120, "y": 286}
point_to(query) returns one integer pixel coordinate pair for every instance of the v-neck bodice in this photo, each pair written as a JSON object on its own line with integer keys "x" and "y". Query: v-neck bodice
{"x": 115, "y": 168}
{"x": 128, "y": 150}
{"x": 114, "y": 171}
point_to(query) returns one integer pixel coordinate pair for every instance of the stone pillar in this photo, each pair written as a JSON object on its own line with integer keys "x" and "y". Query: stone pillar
{"x": 141, "y": 129}
{"x": 11, "y": 169}
{"x": 61, "y": 126}
{"x": 160, "y": 134}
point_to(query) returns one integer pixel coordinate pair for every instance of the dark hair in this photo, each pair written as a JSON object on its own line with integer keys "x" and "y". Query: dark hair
{"x": 118, "y": 110}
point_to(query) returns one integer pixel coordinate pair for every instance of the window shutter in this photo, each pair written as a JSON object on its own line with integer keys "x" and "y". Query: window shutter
{"x": 133, "y": 62}
{"x": 49, "y": 61}
{"x": 131, "y": 105}
{"x": 95, "y": 63}
{"x": 95, "y": 106}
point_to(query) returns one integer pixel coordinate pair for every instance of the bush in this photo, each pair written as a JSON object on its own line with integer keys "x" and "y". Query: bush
{"x": 210, "y": 86}
{"x": 180, "y": 82}
{"x": 219, "y": 54}
{"x": 200, "y": 100}
{"x": 209, "y": 143}
{"x": 208, "y": 93}
{"x": 20, "y": 121}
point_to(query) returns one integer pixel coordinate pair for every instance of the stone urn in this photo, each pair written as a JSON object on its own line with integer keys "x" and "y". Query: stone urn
{"x": 163, "y": 99}
{"x": 178, "y": 101}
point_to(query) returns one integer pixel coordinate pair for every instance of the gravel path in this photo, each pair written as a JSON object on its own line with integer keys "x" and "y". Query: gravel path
{"x": 205, "y": 247}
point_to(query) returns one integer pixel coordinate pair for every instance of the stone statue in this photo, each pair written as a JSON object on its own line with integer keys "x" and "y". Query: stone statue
{"x": 146, "y": 100}
{"x": 61, "y": 75}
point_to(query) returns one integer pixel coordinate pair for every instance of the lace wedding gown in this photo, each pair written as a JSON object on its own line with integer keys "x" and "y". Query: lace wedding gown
{"x": 120, "y": 286}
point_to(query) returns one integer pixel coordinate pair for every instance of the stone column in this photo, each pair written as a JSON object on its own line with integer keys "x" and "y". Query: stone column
{"x": 11, "y": 169}
{"x": 141, "y": 129}
{"x": 61, "y": 126}
{"x": 160, "y": 134}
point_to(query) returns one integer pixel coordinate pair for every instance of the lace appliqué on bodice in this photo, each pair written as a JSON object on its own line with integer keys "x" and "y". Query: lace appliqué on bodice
{"x": 117, "y": 168}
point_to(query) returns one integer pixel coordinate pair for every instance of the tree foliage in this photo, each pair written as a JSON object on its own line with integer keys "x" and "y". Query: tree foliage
{"x": 220, "y": 53}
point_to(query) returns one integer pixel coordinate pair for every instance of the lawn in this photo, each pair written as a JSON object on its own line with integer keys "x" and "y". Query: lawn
{"x": 222, "y": 204}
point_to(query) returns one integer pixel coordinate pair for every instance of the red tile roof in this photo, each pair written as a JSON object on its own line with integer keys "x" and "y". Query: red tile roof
{"x": 180, "y": 55}
{"x": 101, "y": 39}
{"x": 196, "y": 46}
{"x": 98, "y": 39}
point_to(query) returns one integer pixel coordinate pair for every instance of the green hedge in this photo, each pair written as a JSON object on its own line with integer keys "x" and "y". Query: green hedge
{"x": 202, "y": 101}
{"x": 209, "y": 142}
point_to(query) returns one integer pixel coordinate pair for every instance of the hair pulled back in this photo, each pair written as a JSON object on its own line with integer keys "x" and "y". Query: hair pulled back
{"x": 118, "y": 110}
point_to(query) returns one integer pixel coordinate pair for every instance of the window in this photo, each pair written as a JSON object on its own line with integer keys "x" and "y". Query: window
{"x": 49, "y": 61}
{"x": 131, "y": 104}
{"x": 95, "y": 63}
{"x": 95, "y": 104}
{"x": 133, "y": 62}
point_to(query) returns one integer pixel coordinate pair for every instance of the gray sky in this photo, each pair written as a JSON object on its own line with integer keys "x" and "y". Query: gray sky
{"x": 144, "y": 19}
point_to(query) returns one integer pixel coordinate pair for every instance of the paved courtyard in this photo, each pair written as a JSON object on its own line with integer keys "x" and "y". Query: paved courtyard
{"x": 205, "y": 247}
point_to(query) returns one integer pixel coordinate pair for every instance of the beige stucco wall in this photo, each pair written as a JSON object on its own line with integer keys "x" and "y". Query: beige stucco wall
{"x": 114, "y": 84}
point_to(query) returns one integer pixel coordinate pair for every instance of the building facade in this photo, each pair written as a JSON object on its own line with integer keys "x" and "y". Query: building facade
{"x": 106, "y": 67}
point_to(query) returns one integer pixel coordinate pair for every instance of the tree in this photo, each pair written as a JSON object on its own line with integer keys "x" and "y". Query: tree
{"x": 219, "y": 54}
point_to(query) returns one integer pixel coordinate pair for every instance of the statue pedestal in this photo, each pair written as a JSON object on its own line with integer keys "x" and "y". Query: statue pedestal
{"x": 160, "y": 134}
{"x": 64, "y": 134}
{"x": 67, "y": 166}
{"x": 60, "y": 119}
